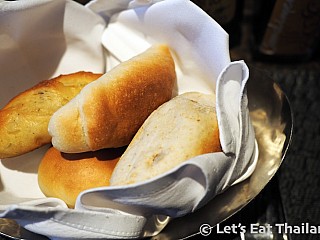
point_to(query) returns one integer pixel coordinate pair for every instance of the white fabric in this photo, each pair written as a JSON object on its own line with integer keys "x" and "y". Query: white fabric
{"x": 68, "y": 38}
{"x": 41, "y": 39}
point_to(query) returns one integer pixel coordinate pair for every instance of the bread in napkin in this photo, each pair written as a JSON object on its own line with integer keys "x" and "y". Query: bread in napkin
{"x": 108, "y": 112}
{"x": 180, "y": 129}
{"x": 24, "y": 120}
{"x": 65, "y": 175}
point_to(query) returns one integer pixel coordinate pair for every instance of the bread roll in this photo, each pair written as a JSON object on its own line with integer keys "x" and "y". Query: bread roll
{"x": 24, "y": 120}
{"x": 108, "y": 112}
{"x": 180, "y": 129}
{"x": 64, "y": 176}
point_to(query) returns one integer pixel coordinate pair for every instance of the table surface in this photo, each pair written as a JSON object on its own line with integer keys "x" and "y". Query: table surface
{"x": 299, "y": 175}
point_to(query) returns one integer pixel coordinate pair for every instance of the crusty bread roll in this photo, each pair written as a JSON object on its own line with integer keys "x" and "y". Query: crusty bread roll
{"x": 64, "y": 175}
{"x": 108, "y": 112}
{"x": 180, "y": 129}
{"x": 24, "y": 120}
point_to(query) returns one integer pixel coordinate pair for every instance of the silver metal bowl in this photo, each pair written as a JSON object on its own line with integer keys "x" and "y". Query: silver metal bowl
{"x": 273, "y": 123}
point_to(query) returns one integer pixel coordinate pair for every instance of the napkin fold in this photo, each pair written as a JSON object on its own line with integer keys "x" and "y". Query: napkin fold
{"x": 196, "y": 181}
{"x": 200, "y": 50}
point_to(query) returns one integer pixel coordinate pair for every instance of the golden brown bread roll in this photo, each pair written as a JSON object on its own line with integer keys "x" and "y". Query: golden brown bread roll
{"x": 180, "y": 129}
{"x": 24, "y": 120}
{"x": 64, "y": 175}
{"x": 108, "y": 112}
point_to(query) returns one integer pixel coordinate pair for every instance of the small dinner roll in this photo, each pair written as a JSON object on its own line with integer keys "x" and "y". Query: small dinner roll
{"x": 180, "y": 129}
{"x": 108, "y": 112}
{"x": 24, "y": 120}
{"x": 64, "y": 175}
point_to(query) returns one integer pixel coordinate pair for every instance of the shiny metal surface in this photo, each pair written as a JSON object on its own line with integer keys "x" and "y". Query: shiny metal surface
{"x": 11, "y": 230}
{"x": 272, "y": 119}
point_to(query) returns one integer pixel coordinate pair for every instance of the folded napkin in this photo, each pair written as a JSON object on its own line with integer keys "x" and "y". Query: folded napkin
{"x": 200, "y": 50}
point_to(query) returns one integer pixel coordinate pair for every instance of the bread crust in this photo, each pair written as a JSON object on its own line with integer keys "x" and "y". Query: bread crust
{"x": 64, "y": 176}
{"x": 111, "y": 110}
{"x": 180, "y": 129}
{"x": 24, "y": 120}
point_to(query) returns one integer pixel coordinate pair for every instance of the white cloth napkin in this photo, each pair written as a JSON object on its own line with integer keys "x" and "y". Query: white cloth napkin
{"x": 42, "y": 39}
{"x": 200, "y": 49}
